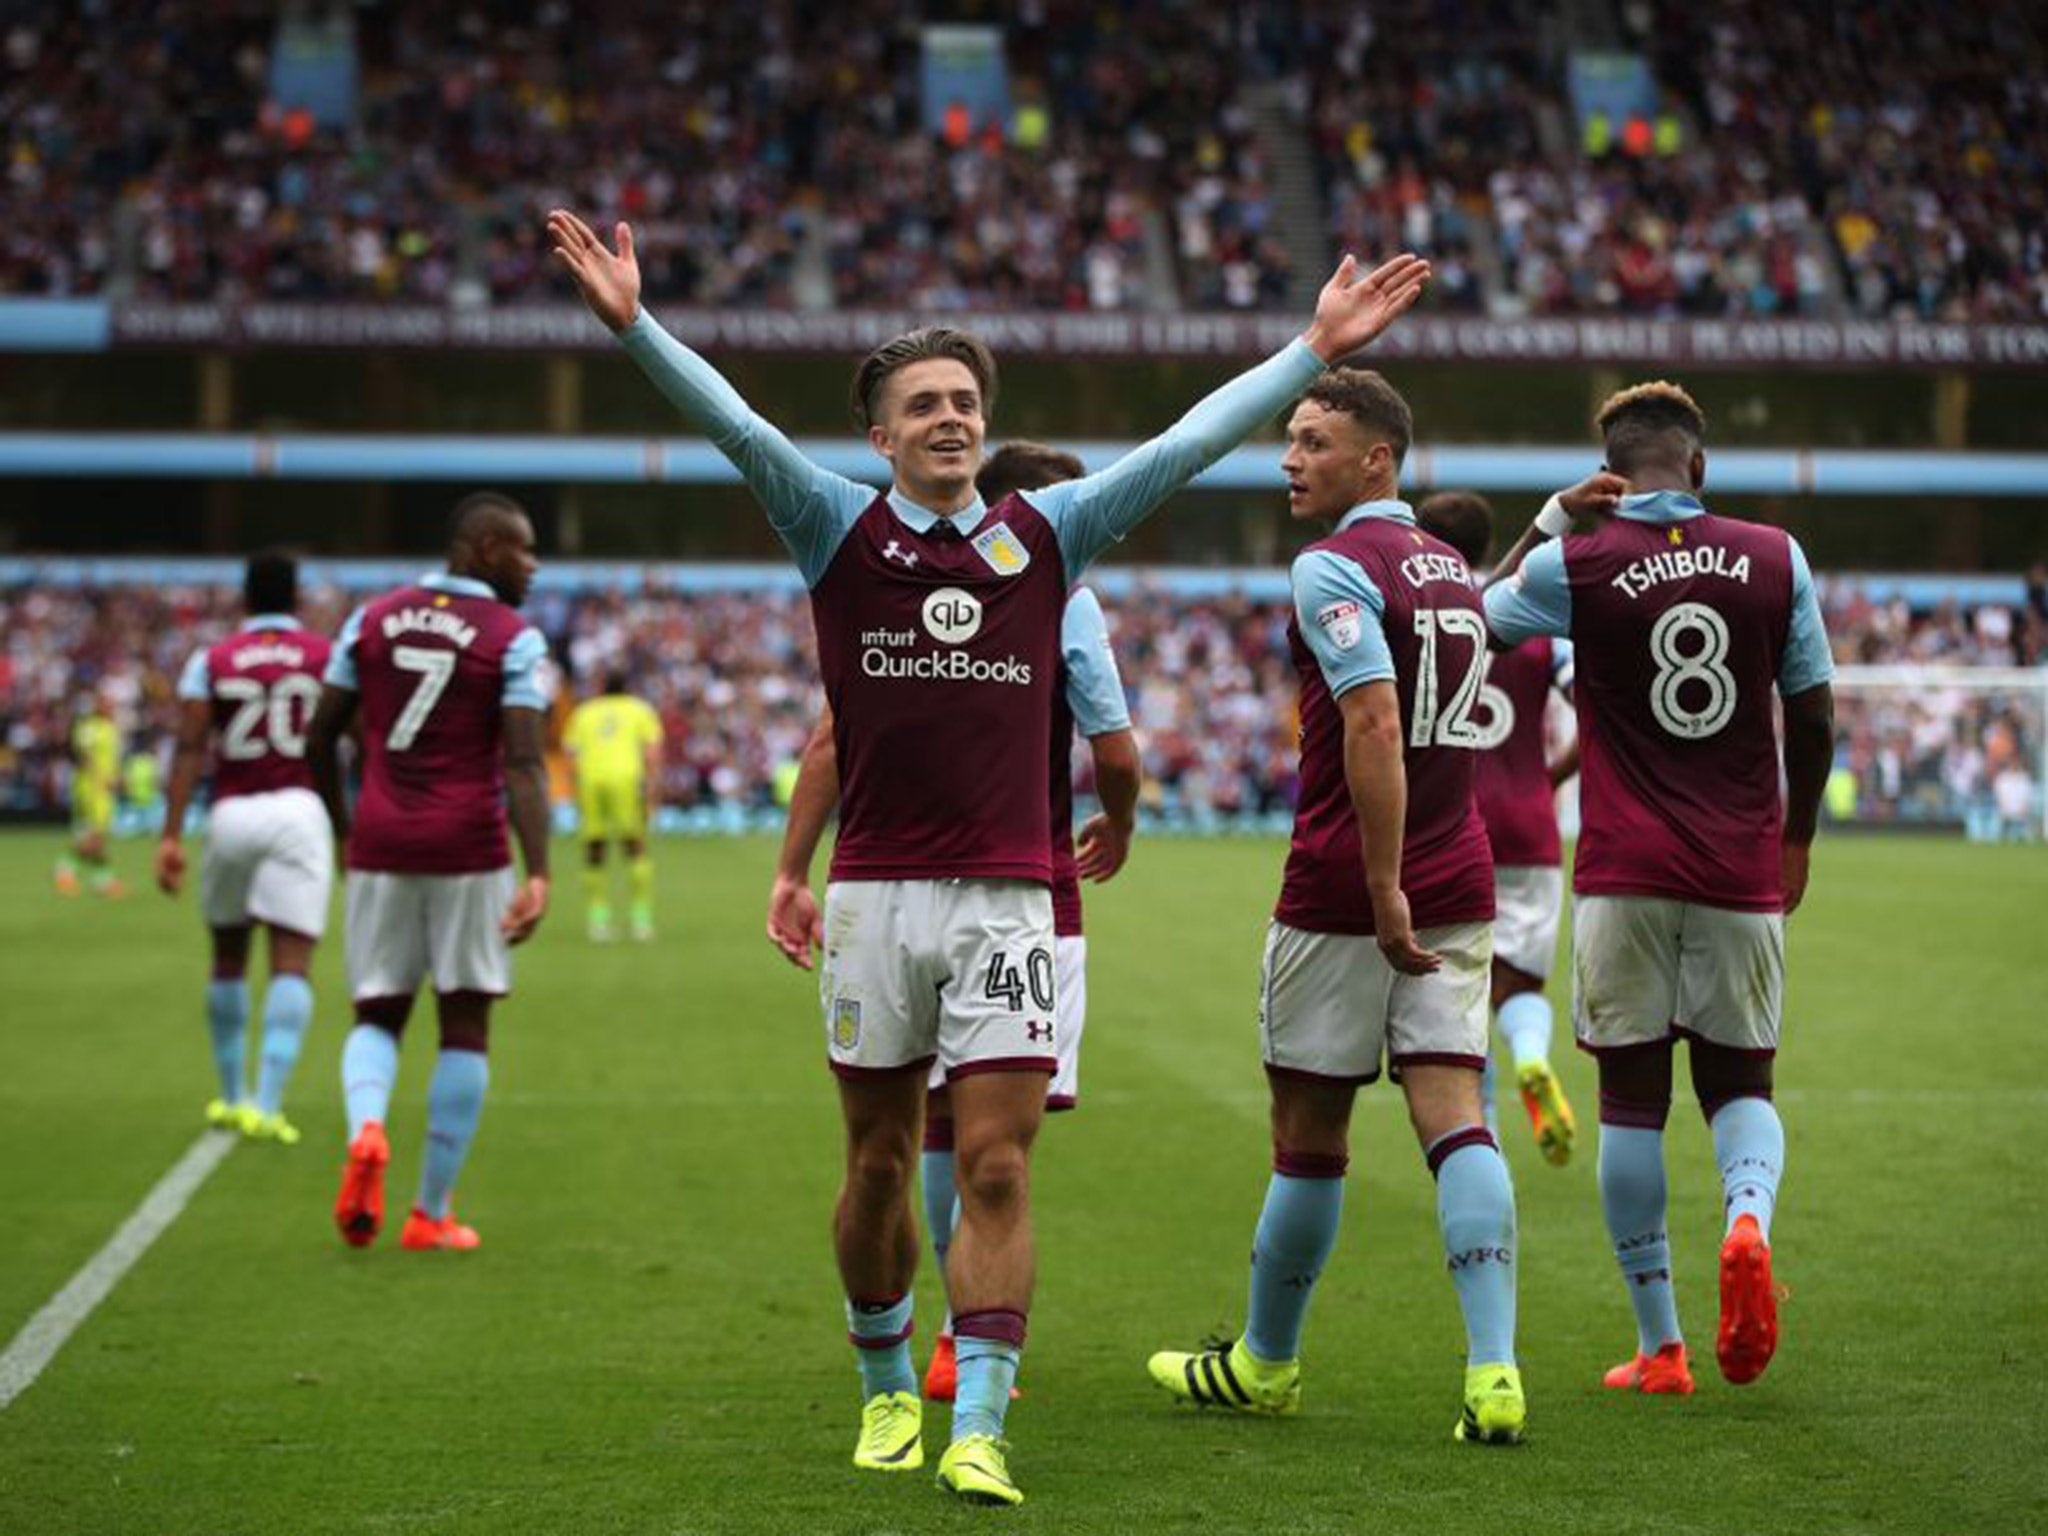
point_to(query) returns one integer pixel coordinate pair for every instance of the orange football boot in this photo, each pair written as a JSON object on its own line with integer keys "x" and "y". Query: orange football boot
{"x": 424, "y": 1233}
{"x": 942, "y": 1376}
{"x": 67, "y": 881}
{"x": 1667, "y": 1371}
{"x": 359, "y": 1209}
{"x": 1749, "y": 1304}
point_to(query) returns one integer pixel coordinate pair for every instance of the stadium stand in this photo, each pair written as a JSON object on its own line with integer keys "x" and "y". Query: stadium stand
{"x": 1805, "y": 160}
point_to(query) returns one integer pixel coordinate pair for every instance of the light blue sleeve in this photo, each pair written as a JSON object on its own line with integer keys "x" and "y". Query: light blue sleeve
{"x": 1092, "y": 513}
{"x": 1341, "y": 615}
{"x": 1807, "y": 662}
{"x": 810, "y": 508}
{"x": 1563, "y": 666}
{"x": 1536, "y": 600}
{"x": 341, "y": 661}
{"x": 1095, "y": 691}
{"x": 523, "y": 686}
{"x": 196, "y": 681}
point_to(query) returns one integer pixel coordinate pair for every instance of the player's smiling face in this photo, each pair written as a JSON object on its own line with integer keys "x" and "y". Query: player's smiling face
{"x": 1331, "y": 464}
{"x": 931, "y": 431}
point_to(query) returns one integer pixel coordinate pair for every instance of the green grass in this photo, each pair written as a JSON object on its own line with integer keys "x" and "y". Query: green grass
{"x": 650, "y": 1339}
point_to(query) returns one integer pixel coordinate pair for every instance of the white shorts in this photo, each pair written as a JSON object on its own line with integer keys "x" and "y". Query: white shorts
{"x": 269, "y": 858}
{"x": 1070, "y": 1018}
{"x": 404, "y": 928}
{"x": 1330, "y": 1005}
{"x": 1646, "y": 967}
{"x": 954, "y": 972}
{"x": 1527, "y": 899}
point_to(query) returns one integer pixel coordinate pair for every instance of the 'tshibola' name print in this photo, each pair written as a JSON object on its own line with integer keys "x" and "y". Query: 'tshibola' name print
{"x": 1677, "y": 565}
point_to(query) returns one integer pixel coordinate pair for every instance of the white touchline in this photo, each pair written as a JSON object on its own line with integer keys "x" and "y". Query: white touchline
{"x": 44, "y": 1334}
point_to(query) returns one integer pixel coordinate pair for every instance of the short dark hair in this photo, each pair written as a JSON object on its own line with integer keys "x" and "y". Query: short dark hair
{"x": 1368, "y": 399}
{"x": 1025, "y": 466}
{"x": 1463, "y": 520}
{"x": 1653, "y": 423}
{"x": 922, "y": 345}
{"x": 615, "y": 680}
{"x": 270, "y": 584}
{"x": 481, "y": 514}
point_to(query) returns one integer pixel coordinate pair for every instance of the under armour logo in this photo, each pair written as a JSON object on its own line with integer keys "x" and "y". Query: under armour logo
{"x": 896, "y": 551}
{"x": 1033, "y": 1028}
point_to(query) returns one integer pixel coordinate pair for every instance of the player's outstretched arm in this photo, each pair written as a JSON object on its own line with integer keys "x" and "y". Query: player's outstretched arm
{"x": 526, "y": 805}
{"x": 195, "y": 723}
{"x": 330, "y": 722}
{"x": 1809, "y": 755}
{"x": 1105, "y": 840}
{"x": 1377, "y": 774}
{"x": 1095, "y": 511}
{"x": 810, "y": 507}
{"x": 795, "y": 925}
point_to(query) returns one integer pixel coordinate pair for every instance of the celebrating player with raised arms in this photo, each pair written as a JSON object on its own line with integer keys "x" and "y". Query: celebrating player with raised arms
{"x": 446, "y": 678}
{"x": 1090, "y": 699}
{"x": 1517, "y": 789}
{"x": 1380, "y": 947}
{"x": 938, "y": 622}
{"x": 1683, "y": 623}
{"x": 269, "y": 855}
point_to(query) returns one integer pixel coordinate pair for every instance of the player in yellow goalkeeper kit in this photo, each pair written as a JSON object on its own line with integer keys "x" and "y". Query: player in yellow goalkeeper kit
{"x": 95, "y": 776}
{"x": 614, "y": 745}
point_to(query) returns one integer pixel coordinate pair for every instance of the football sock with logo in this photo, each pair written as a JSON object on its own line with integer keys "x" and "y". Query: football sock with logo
{"x": 640, "y": 881}
{"x": 880, "y": 1331}
{"x": 369, "y": 1066}
{"x": 227, "y": 1021}
{"x": 1296, "y": 1231}
{"x": 1632, "y": 1197}
{"x": 1749, "y": 1144}
{"x": 287, "y": 1010}
{"x": 1525, "y": 1025}
{"x": 1475, "y": 1208}
{"x": 988, "y": 1346}
{"x": 455, "y": 1102}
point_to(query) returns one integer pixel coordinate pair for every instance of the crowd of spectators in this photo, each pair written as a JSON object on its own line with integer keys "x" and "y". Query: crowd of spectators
{"x": 1880, "y": 161}
{"x": 733, "y": 675}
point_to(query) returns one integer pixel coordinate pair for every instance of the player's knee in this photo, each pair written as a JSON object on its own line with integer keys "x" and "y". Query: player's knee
{"x": 466, "y": 1022}
{"x": 1720, "y": 1075}
{"x": 1635, "y": 1086}
{"x": 878, "y": 1171}
{"x": 386, "y": 1013}
{"x": 996, "y": 1177}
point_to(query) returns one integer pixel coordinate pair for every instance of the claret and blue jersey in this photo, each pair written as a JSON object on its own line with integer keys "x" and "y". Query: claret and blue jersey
{"x": 940, "y": 637}
{"x": 1683, "y": 624}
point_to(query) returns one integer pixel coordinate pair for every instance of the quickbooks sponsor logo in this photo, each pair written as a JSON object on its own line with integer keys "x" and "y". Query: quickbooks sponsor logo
{"x": 945, "y": 667}
{"x": 952, "y": 615}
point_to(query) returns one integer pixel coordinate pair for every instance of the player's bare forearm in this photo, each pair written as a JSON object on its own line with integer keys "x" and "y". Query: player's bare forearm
{"x": 526, "y": 788}
{"x": 1809, "y": 755}
{"x": 1378, "y": 779}
{"x": 331, "y": 718}
{"x": 1105, "y": 841}
{"x": 1566, "y": 765}
{"x": 811, "y": 803}
{"x": 195, "y": 722}
{"x": 1596, "y": 496}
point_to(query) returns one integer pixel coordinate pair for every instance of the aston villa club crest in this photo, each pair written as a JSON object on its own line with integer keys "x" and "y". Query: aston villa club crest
{"x": 1002, "y": 549}
{"x": 1343, "y": 622}
{"x": 845, "y": 1023}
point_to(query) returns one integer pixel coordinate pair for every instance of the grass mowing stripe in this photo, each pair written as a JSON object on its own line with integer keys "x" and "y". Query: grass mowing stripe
{"x": 44, "y": 1334}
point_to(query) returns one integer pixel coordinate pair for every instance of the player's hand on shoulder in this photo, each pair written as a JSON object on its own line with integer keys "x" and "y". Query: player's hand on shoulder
{"x": 170, "y": 866}
{"x": 610, "y": 282}
{"x": 529, "y": 906}
{"x": 1352, "y": 310}
{"x": 1103, "y": 846}
{"x": 1597, "y": 496}
{"x": 1395, "y": 932}
{"x": 795, "y": 926}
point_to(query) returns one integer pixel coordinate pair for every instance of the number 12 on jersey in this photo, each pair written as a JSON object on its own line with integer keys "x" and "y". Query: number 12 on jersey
{"x": 1452, "y": 725}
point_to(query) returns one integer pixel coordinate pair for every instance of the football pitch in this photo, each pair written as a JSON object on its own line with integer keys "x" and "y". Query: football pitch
{"x": 650, "y": 1339}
